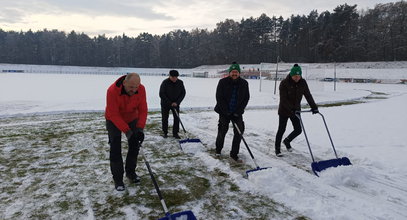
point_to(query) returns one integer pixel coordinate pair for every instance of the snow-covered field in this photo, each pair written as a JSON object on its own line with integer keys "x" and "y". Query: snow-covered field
{"x": 54, "y": 154}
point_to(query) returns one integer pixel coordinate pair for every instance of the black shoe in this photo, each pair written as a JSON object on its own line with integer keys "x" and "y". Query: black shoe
{"x": 176, "y": 136}
{"x": 287, "y": 145}
{"x": 165, "y": 135}
{"x": 133, "y": 178}
{"x": 119, "y": 186}
{"x": 236, "y": 158}
{"x": 278, "y": 153}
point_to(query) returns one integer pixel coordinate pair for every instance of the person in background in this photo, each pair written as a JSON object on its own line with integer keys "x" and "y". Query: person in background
{"x": 126, "y": 112}
{"x": 172, "y": 92}
{"x": 292, "y": 88}
{"x": 232, "y": 96}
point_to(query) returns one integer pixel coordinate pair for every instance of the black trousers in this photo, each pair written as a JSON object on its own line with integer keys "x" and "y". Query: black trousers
{"x": 282, "y": 124}
{"x": 223, "y": 127}
{"x": 165, "y": 112}
{"x": 116, "y": 160}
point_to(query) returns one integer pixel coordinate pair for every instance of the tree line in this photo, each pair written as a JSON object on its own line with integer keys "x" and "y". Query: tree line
{"x": 344, "y": 35}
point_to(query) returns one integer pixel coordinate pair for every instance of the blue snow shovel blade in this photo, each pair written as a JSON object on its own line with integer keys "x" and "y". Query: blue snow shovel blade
{"x": 325, "y": 164}
{"x": 185, "y": 215}
{"x": 257, "y": 169}
{"x": 189, "y": 141}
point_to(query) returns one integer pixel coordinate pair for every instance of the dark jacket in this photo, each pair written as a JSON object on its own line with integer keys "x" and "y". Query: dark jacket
{"x": 291, "y": 95}
{"x": 121, "y": 108}
{"x": 172, "y": 92}
{"x": 224, "y": 94}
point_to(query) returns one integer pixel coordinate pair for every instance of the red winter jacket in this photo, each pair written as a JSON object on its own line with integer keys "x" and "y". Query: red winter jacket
{"x": 122, "y": 108}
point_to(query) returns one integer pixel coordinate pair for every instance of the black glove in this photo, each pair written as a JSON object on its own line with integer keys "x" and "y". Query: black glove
{"x": 235, "y": 116}
{"x": 296, "y": 112}
{"x": 139, "y": 134}
{"x": 315, "y": 111}
{"x": 129, "y": 134}
{"x": 229, "y": 116}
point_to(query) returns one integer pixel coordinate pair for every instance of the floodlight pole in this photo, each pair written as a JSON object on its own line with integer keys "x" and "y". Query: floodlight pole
{"x": 334, "y": 76}
{"x": 275, "y": 80}
{"x": 261, "y": 69}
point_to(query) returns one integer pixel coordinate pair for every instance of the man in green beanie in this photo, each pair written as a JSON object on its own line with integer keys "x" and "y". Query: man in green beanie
{"x": 232, "y": 96}
{"x": 234, "y": 66}
{"x": 292, "y": 88}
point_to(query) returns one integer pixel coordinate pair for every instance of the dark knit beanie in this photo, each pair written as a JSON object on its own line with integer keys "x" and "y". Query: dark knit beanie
{"x": 234, "y": 66}
{"x": 295, "y": 70}
{"x": 174, "y": 73}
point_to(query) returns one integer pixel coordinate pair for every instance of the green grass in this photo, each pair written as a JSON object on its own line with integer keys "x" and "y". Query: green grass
{"x": 341, "y": 103}
{"x": 372, "y": 96}
{"x": 57, "y": 166}
{"x": 378, "y": 93}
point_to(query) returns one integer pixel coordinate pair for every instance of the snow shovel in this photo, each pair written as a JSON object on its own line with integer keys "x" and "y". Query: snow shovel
{"x": 250, "y": 152}
{"x": 187, "y": 140}
{"x": 318, "y": 166}
{"x": 185, "y": 215}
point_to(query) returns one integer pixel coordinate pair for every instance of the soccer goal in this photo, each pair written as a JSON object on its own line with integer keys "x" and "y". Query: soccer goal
{"x": 272, "y": 73}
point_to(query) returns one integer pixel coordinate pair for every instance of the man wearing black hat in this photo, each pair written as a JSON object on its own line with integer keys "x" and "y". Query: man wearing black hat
{"x": 292, "y": 88}
{"x": 232, "y": 96}
{"x": 172, "y": 92}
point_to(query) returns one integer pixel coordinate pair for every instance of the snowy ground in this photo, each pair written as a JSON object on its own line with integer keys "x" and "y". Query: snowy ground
{"x": 54, "y": 154}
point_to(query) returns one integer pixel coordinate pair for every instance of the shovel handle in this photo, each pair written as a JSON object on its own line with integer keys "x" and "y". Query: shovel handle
{"x": 304, "y": 111}
{"x": 245, "y": 143}
{"x": 177, "y": 114}
{"x": 297, "y": 113}
{"x": 157, "y": 189}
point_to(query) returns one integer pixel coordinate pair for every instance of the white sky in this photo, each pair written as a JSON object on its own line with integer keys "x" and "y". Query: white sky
{"x": 132, "y": 17}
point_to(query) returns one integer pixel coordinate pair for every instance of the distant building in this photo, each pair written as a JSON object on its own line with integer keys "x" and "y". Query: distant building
{"x": 13, "y": 71}
{"x": 200, "y": 74}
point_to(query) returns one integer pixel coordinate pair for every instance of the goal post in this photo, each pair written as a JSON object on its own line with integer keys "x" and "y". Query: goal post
{"x": 273, "y": 72}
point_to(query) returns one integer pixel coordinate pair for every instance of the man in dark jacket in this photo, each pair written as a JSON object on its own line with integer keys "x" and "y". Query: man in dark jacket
{"x": 172, "y": 92}
{"x": 126, "y": 111}
{"x": 292, "y": 88}
{"x": 232, "y": 96}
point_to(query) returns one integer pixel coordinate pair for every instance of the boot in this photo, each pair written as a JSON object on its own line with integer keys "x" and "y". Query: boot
{"x": 288, "y": 145}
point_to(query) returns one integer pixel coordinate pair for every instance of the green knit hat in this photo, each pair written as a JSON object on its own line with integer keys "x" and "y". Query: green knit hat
{"x": 296, "y": 70}
{"x": 234, "y": 66}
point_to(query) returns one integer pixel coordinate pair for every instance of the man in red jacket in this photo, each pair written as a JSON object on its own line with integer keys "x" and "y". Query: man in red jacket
{"x": 126, "y": 111}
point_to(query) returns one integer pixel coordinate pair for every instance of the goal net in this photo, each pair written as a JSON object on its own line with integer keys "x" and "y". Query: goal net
{"x": 271, "y": 75}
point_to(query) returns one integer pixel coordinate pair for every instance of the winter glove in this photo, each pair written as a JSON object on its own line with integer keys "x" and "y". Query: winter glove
{"x": 129, "y": 134}
{"x": 315, "y": 111}
{"x": 229, "y": 116}
{"x": 139, "y": 134}
{"x": 235, "y": 116}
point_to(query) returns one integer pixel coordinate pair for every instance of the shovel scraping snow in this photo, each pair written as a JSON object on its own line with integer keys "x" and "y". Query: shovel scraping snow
{"x": 185, "y": 215}
{"x": 187, "y": 140}
{"x": 250, "y": 152}
{"x": 318, "y": 166}
{"x": 324, "y": 164}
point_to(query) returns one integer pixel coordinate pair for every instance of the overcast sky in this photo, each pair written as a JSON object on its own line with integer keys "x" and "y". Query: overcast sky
{"x": 132, "y": 17}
